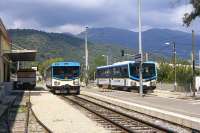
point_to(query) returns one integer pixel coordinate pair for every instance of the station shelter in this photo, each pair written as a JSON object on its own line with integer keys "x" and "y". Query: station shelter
{"x": 9, "y": 54}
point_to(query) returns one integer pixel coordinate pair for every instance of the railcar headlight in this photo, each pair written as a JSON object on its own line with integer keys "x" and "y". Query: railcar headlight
{"x": 133, "y": 83}
{"x": 75, "y": 82}
{"x": 56, "y": 83}
{"x": 153, "y": 83}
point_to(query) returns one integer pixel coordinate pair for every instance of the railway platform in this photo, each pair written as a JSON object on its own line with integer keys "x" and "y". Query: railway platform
{"x": 185, "y": 112}
{"x": 61, "y": 117}
{"x": 5, "y": 101}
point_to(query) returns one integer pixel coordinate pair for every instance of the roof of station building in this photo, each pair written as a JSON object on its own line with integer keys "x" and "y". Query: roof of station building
{"x": 21, "y": 55}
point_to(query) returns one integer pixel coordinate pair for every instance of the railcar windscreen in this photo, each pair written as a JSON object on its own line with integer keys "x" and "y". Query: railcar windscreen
{"x": 66, "y": 72}
{"x": 148, "y": 70}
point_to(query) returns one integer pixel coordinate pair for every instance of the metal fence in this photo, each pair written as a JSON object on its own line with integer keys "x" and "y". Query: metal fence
{"x": 179, "y": 88}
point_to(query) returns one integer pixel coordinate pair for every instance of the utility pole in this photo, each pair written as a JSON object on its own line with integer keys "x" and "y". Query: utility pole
{"x": 147, "y": 56}
{"x": 86, "y": 57}
{"x": 109, "y": 56}
{"x": 174, "y": 52}
{"x": 199, "y": 58}
{"x": 140, "y": 45}
{"x": 107, "y": 59}
{"x": 193, "y": 63}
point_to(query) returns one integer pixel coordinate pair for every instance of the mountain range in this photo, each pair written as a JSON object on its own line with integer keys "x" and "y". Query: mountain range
{"x": 103, "y": 41}
{"x": 153, "y": 40}
{"x": 60, "y": 45}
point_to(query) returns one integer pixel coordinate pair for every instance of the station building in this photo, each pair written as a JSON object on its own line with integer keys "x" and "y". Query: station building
{"x": 5, "y": 47}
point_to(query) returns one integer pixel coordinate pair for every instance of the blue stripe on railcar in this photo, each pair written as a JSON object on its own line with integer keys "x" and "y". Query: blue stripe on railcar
{"x": 65, "y": 64}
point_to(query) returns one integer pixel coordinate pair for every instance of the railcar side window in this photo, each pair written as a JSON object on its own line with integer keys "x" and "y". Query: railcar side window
{"x": 124, "y": 71}
{"x": 134, "y": 70}
{"x": 113, "y": 72}
{"x": 116, "y": 72}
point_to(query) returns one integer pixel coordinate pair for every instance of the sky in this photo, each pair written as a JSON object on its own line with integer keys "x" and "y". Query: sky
{"x": 73, "y": 15}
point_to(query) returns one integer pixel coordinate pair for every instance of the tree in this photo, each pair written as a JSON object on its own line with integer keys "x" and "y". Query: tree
{"x": 44, "y": 65}
{"x": 99, "y": 60}
{"x": 189, "y": 17}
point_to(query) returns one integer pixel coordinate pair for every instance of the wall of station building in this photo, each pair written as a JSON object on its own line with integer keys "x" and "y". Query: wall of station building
{"x": 5, "y": 47}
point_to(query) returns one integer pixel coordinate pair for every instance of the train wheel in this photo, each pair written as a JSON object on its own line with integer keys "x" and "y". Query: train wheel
{"x": 53, "y": 91}
{"x": 125, "y": 88}
{"x": 78, "y": 91}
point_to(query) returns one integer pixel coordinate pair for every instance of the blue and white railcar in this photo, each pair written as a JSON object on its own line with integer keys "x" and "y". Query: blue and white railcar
{"x": 126, "y": 75}
{"x": 63, "y": 77}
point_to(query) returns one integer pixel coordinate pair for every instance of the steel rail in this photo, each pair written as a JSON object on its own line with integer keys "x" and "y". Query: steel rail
{"x": 142, "y": 121}
{"x": 29, "y": 109}
{"x": 42, "y": 124}
{"x": 122, "y": 115}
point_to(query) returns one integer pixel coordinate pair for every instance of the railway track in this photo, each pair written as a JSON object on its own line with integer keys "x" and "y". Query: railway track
{"x": 20, "y": 118}
{"x": 163, "y": 124}
{"x": 114, "y": 120}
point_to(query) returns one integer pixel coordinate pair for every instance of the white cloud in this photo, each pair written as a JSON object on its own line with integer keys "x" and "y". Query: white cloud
{"x": 144, "y": 28}
{"x": 71, "y": 28}
{"x": 24, "y": 24}
{"x": 74, "y": 3}
{"x": 178, "y": 13}
{"x": 71, "y": 15}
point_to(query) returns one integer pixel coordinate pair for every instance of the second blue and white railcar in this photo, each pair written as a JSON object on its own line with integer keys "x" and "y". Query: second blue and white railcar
{"x": 126, "y": 75}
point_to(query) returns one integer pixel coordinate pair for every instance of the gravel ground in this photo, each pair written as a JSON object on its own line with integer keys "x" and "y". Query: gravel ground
{"x": 15, "y": 119}
{"x": 60, "y": 117}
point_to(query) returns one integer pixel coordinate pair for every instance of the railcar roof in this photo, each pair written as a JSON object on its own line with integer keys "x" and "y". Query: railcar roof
{"x": 121, "y": 64}
{"x": 65, "y": 64}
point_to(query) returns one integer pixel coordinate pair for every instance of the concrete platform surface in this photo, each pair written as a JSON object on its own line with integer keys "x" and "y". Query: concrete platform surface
{"x": 61, "y": 117}
{"x": 184, "y": 112}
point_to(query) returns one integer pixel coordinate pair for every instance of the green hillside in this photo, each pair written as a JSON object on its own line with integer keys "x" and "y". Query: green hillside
{"x": 57, "y": 45}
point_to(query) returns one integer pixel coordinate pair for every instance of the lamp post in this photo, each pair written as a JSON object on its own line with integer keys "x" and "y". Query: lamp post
{"x": 174, "y": 60}
{"x": 86, "y": 57}
{"x": 140, "y": 45}
{"x": 107, "y": 59}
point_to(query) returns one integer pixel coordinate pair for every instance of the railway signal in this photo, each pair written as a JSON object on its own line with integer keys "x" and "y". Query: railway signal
{"x": 138, "y": 57}
{"x": 122, "y": 52}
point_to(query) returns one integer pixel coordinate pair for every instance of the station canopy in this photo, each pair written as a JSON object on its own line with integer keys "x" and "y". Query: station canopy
{"x": 21, "y": 55}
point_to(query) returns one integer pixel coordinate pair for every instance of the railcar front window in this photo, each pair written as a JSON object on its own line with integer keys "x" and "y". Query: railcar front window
{"x": 148, "y": 70}
{"x": 65, "y": 72}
